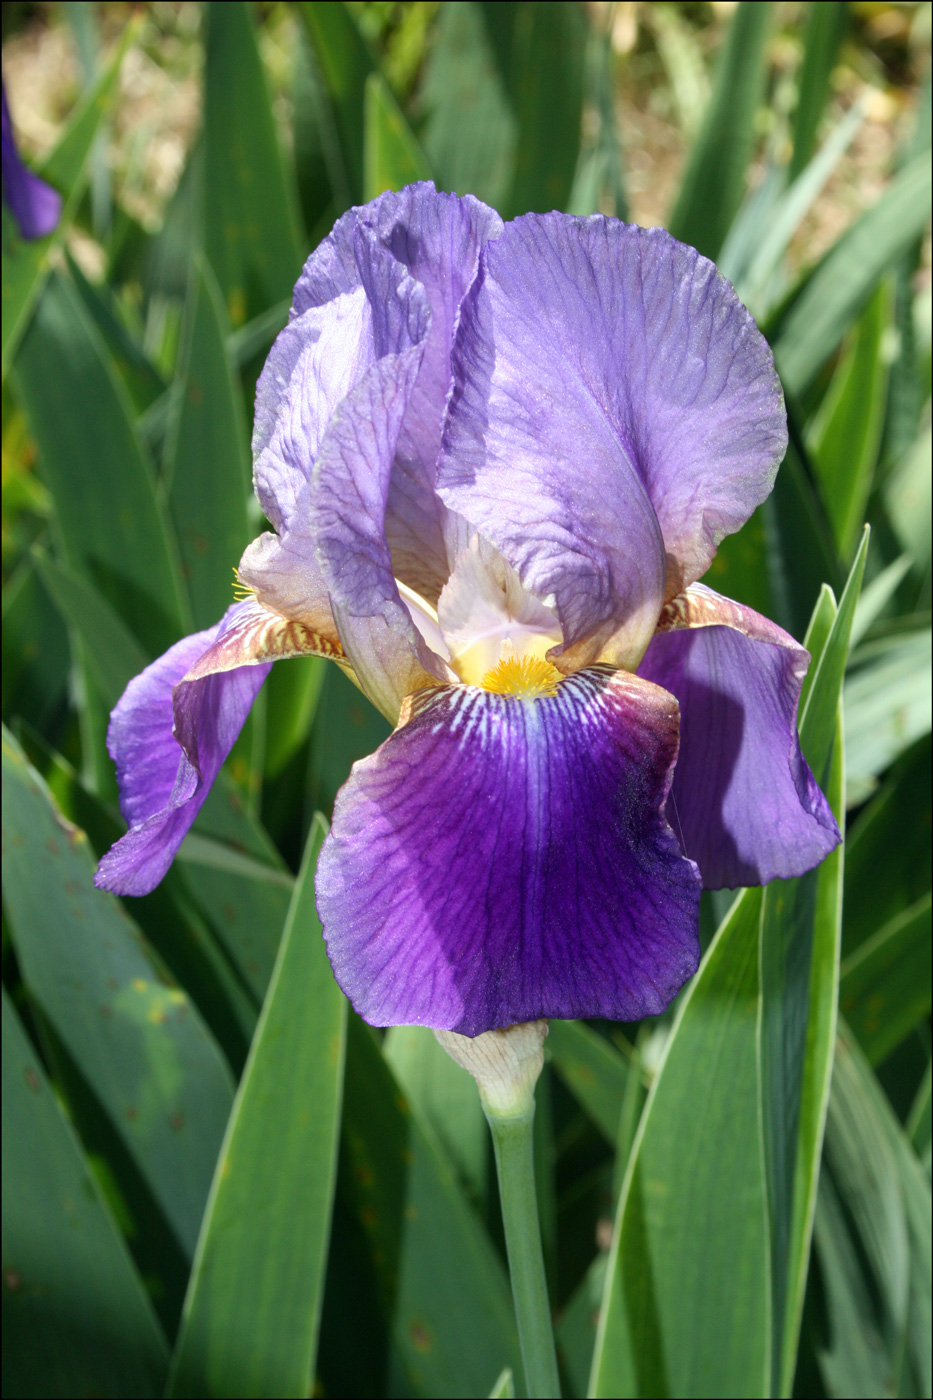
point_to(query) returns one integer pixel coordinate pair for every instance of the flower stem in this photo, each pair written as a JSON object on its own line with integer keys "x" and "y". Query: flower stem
{"x": 512, "y": 1138}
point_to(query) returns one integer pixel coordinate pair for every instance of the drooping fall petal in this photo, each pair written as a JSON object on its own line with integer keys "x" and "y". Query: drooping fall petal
{"x": 744, "y": 803}
{"x": 498, "y": 860}
{"x": 174, "y": 726}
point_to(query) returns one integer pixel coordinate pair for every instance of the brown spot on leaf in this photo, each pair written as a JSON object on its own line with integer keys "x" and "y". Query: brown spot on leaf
{"x": 420, "y": 1336}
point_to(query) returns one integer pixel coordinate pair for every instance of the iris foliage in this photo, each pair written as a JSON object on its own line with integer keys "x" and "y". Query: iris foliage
{"x": 218, "y": 1180}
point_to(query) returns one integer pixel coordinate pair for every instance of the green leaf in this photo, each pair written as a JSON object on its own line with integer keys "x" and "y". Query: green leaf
{"x": 259, "y": 1267}
{"x": 292, "y": 694}
{"x": 886, "y": 1195}
{"x": 246, "y": 911}
{"x": 575, "y": 1332}
{"x": 346, "y": 727}
{"x": 36, "y": 657}
{"x": 443, "y": 1293}
{"x": 817, "y": 635}
{"x": 853, "y": 1361}
{"x": 887, "y": 701}
{"x": 548, "y": 36}
{"x": 26, "y": 267}
{"x": 138, "y": 1043}
{"x": 323, "y": 186}
{"x": 175, "y": 929}
{"x": 737, "y": 569}
{"x": 492, "y": 128}
{"x": 892, "y": 834}
{"x": 689, "y": 1261}
{"x": 800, "y": 937}
{"x": 819, "y": 714}
{"x": 836, "y": 291}
{"x": 919, "y": 1122}
{"x": 593, "y": 1071}
{"x": 109, "y": 519}
{"x": 907, "y": 496}
{"x": 76, "y": 1316}
{"x": 228, "y": 865}
{"x": 207, "y": 460}
{"x": 885, "y": 988}
{"x": 504, "y": 1388}
{"x": 826, "y": 25}
{"x": 113, "y": 654}
{"x": 714, "y": 182}
{"x": 345, "y": 63}
{"x": 799, "y": 950}
{"x": 845, "y": 436}
{"x": 143, "y": 382}
{"x": 392, "y": 157}
{"x": 800, "y": 551}
{"x": 759, "y": 277}
{"x": 250, "y": 206}
{"x": 445, "y": 1098}
{"x": 876, "y": 595}
{"x": 599, "y": 182}
{"x": 470, "y": 132}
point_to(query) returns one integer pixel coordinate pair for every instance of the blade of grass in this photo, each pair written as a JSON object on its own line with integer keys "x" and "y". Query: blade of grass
{"x": 714, "y": 182}
{"x": 258, "y": 1272}
{"x": 79, "y": 1320}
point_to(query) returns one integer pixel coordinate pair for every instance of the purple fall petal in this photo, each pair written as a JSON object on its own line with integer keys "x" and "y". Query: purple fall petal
{"x": 35, "y": 206}
{"x": 162, "y": 788}
{"x": 497, "y": 860}
{"x": 744, "y": 803}
{"x": 614, "y": 404}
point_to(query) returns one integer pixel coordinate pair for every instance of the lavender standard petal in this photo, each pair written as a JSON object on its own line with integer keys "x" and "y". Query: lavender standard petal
{"x": 610, "y": 393}
{"x": 496, "y": 861}
{"x": 744, "y": 803}
{"x": 435, "y": 237}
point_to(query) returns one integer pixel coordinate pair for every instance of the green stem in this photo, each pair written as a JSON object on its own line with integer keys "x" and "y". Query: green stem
{"x": 512, "y": 1138}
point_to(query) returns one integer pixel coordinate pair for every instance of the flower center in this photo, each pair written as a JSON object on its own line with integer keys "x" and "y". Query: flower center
{"x": 529, "y": 677}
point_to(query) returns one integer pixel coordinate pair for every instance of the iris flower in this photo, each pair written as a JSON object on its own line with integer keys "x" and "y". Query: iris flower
{"x": 497, "y": 459}
{"x": 35, "y": 206}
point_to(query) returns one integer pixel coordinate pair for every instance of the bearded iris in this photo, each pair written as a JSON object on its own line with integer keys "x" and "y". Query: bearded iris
{"x": 497, "y": 459}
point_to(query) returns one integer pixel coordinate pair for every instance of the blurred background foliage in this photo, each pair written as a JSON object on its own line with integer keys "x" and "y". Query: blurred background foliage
{"x": 349, "y": 1244}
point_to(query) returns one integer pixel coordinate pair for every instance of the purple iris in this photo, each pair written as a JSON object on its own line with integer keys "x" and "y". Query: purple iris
{"x": 35, "y": 206}
{"x": 497, "y": 457}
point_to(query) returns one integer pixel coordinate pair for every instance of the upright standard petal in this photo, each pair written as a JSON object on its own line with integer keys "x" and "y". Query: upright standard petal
{"x": 500, "y": 860}
{"x": 349, "y": 412}
{"x": 615, "y": 414}
{"x": 350, "y": 487}
{"x": 174, "y": 726}
{"x": 744, "y": 803}
{"x": 437, "y": 238}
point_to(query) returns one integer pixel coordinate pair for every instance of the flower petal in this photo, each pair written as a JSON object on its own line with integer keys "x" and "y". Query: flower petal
{"x": 743, "y": 801}
{"x": 497, "y": 860}
{"x": 174, "y": 726}
{"x": 350, "y": 487}
{"x": 437, "y": 239}
{"x": 614, "y": 404}
{"x": 35, "y": 206}
{"x": 348, "y": 424}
